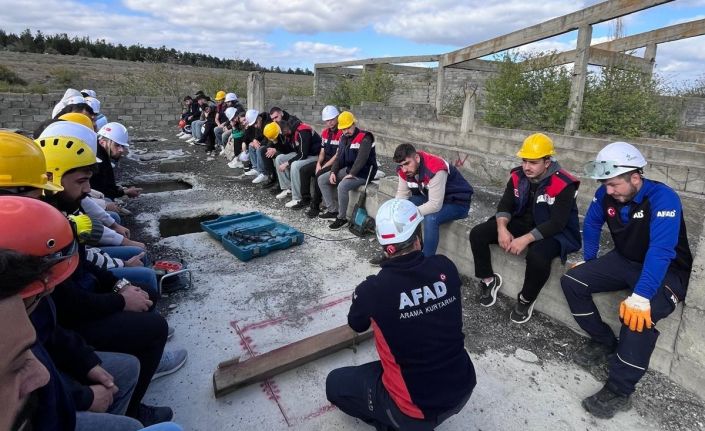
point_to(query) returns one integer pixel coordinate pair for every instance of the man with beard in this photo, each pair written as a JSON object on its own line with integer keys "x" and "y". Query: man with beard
{"x": 651, "y": 259}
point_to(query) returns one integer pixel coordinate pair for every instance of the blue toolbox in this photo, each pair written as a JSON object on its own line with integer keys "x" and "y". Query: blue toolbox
{"x": 252, "y": 234}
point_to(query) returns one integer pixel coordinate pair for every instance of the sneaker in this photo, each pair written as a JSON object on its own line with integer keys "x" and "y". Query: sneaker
{"x": 488, "y": 292}
{"x": 209, "y": 153}
{"x": 199, "y": 142}
{"x": 377, "y": 260}
{"x": 222, "y": 152}
{"x": 284, "y": 193}
{"x": 180, "y": 134}
{"x": 152, "y": 415}
{"x": 592, "y": 354}
{"x": 523, "y": 310}
{"x": 270, "y": 183}
{"x": 191, "y": 140}
{"x": 313, "y": 212}
{"x": 233, "y": 164}
{"x": 338, "y": 224}
{"x": 171, "y": 362}
{"x": 291, "y": 203}
{"x": 303, "y": 203}
{"x": 170, "y": 333}
{"x": 251, "y": 172}
{"x": 259, "y": 178}
{"x": 185, "y": 136}
{"x": 328, "y": 215}
{"x": 606, "y": 403}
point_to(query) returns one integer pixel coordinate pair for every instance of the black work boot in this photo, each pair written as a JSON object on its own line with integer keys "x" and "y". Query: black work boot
{"x": 488, "y": 292}
{"x": 270, "y": 182}
{"x": 593, "y": 354}
{"x": 606, "y": 403}
{"x": 303, "y": 203}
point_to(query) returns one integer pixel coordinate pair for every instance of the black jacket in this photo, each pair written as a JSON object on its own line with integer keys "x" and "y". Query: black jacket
{"x": 104, "y": 179}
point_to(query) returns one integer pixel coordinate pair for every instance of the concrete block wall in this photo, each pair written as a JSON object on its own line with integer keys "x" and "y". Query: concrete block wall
{"x": 25, "y": 111}
{"x": 694, "y": 112}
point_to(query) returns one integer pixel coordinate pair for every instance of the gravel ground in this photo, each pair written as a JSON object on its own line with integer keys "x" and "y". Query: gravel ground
{"x": 658, "y": 400}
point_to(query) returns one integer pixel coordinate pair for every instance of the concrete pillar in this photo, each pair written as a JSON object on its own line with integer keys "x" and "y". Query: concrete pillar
{"x": 316, "y": 83}
{"x": 650, "y": 56}
{"x": 255, "y": 91}
{"x": 467, "y": 123}
{"x": 577, "y": 88}
{"x": 440, "y": 87}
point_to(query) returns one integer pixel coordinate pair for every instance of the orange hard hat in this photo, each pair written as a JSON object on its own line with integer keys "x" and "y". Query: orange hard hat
{"x": 32, "y": 227}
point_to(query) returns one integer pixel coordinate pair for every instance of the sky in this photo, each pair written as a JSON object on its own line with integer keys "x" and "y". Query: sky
{"x": 299, "y": 33}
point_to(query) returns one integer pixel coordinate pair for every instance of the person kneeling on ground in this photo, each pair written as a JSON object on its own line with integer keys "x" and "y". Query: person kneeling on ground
{"x": 436, "y": 187}
{"x": 651, "y": 258}
{"x": 355, "y": 161}
{"x": 537, "y": 212}
{"x": 413, "y": 304}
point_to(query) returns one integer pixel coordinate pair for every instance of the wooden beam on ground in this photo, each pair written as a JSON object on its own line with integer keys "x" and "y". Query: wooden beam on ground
{"x": 233, "y": 374}
{"x": 662, "y": 35}
{"x": 592, "y": 15}
{"x": 382, "y": 60}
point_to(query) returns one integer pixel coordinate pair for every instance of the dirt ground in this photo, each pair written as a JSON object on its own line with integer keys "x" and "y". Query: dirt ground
{"x": 526, "y": 379}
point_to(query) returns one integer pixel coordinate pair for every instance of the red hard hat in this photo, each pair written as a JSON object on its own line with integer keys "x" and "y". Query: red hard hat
{"x": 182, "y": 124}
{"x": 30, "y": 226}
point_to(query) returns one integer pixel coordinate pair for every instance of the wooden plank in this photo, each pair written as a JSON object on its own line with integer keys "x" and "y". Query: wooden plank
{"x": 666, "y": 34}
{"x": 480, "y": 65}
{"x": 577, "y": 88}
{"x": 598, "y": 57}
{"x": 231, "y": 375}
{"x": 592, "y": 15}
{"x": 382, "y": 60}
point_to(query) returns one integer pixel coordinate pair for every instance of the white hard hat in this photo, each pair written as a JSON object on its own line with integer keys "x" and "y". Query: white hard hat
{"x": 70, "y": 92}
{"x": 74, "y": 100}
{"x": 230, "y": 97}
{"x": 230, "y": 113}
{"x": 329, "y": 112}
{"x": 57, "y": 108}
{"x": 100, "y": 121}
{"x": 116, "y": 132}
{"x": 73, "y": 130}
{"x": 396, "y": 221}
{"x": 91, "y": 93}
{"x": 615, "y": 159}
{"x": 93, "y": 103}
{"x": 251, "y": 116}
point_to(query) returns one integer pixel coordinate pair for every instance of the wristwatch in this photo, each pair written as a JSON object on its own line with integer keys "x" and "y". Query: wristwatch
{"x": 120, "y": 284}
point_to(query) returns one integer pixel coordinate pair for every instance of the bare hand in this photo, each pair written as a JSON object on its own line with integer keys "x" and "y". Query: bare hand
{"x": 102, "y": 398}
{"x": 122, "y": 230}
{"x": 136, "y": 299}
{"x": 283, "y": 167}
{"x": 332, "y": 179}
{"x": 504, "y": 238}
{"x": 135, "y": 261}
{"x": 112, "y": 206}
{"x": 349, "y": 177}
{"x": 271, "y": 152}
{"x": 133, "y": 192}
{"x": 318, "y": 167}
{"x": 128, "y": 241}
{"x": 98, "y": 374}
{"x": 518, "y": 245}
{"x": 255, "y": 144}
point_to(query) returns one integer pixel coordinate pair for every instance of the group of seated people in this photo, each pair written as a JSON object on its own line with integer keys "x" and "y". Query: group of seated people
{"x": 87, "y": 285}
{"x": 286, "y": 155}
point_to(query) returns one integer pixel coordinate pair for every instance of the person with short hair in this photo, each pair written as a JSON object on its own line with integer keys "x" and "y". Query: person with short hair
{"x": 651, "y": 260}
{"x": 413, "y": 306}
{"x": 536, "y": 213}
{"x": 435, "y": 186}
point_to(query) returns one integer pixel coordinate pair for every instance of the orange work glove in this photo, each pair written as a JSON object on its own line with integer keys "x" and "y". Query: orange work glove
{"x": 635, "y": 312}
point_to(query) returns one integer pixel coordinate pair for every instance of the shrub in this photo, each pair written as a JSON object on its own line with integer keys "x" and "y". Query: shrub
{"x": 8, "y": 76}
{"x": 65, "y": 77}
{"x": 370, "y": 86}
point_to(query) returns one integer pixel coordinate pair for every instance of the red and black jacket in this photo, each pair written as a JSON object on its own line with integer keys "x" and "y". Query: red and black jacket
{"x": 331, "y": 139}
{"x": 458, "y": 190}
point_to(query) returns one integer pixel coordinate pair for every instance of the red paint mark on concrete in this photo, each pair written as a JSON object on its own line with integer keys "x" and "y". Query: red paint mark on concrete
{"x": 278, "y": 320}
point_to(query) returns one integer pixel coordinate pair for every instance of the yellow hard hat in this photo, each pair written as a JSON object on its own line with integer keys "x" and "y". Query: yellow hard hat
{"x": 77, "y": 117}
{"x": 271, "y": 131}
{"x": 22, "y": 163}
{"x": 220, "y": 95}
{"x": 64, "y": 153}
{"x": 536, "y": 146}
{"x": 345, "y": 120}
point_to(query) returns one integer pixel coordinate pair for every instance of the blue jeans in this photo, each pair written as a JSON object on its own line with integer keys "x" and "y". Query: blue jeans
{"x": 196, "y": 129}
{"x": 124, "y": 369}
{"x": 141, "y": 276}
{"x": 115, "y": 216}
{"x": 254, "y": 159}
{"x": 432, "y": 222}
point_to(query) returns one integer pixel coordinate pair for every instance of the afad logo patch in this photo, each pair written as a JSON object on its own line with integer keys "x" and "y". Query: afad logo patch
{"x": 611, "y": 212}
{"x": 671, "y": 213}
{"x": 638, "y": 214}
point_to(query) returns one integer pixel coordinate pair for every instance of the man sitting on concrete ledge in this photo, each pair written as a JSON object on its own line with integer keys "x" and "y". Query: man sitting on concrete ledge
{"x": 424, "y": 375}
{"x": 651, "y": 258}
{"x": 436, "y": 187}
{"x": 537, "y": 211}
